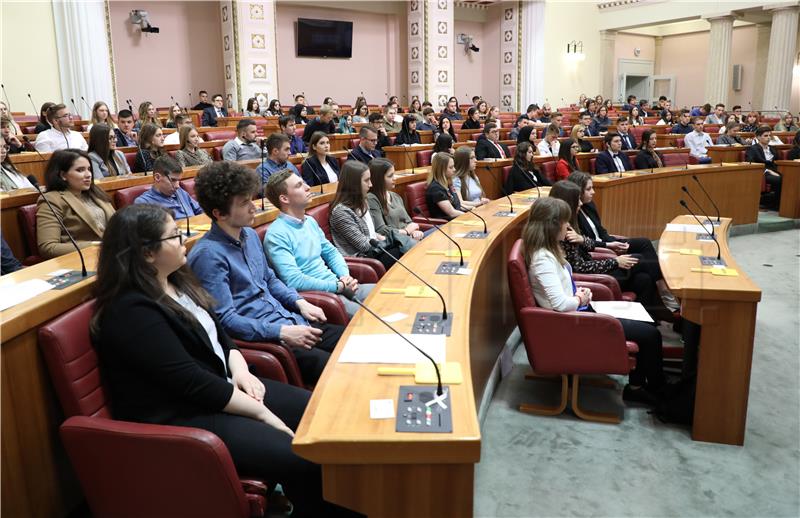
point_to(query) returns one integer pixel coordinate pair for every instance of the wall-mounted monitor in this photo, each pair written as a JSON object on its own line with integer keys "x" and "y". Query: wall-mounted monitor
{"x": 324, "y": 38}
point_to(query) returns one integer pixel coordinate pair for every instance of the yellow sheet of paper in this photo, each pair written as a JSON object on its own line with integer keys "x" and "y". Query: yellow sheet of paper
{"x": 449, "y": 253}
{"x": 417, "y": 292}
{"x": 424, "y": 372}
{"x": 469, "y": 223}
{"x": 721, "y": 272}
{"x": 205, "y": 226}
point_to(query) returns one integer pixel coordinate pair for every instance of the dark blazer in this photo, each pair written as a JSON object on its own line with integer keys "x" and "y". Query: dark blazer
{"x": 628, "y": 141}
{"x": 794, "y": 153}
{"x": 586, "y": 146}
{"x": 645, "y": 160}
{"x": 362, "y": 156}
{"x": 589, "y": 211}
{"x": 519, "y": 180}
{"x": 485, "y": 149}
{"x": 755, "y": 153}
{"x": 163, "y": 368}
{"x": 42, "y": 126}
{"x": 317, "y": 125}
{"x": 122, "y": 140}
{"x": 210, "y": 116}
{"x": 471, "y": 124}
{"x": 605, "y": 164}
{"x": 313, "y": 172}
{"x": 405, "y": 137}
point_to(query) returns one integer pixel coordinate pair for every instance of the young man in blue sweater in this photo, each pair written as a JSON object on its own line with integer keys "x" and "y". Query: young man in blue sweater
{"x": 302, "y": 256}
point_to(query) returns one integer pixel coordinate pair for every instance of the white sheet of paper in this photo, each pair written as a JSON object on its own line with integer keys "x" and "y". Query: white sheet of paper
{"x": 395, "y": 317}
{"x": 678, "y": 227}
{"x": 622, "y": 309}
{"x": 390, "y": 348}
{"x": 464, "y": 271}
{"x": 18, "y": 293}
{"x": 381, "y": 409}
{"x": 59, "y": 272}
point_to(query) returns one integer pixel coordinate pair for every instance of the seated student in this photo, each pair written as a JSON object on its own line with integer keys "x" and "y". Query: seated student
{"x": 718, "y": 116}
{"x": 44, "y": 124}
{"x": 787, "y": 123}
{"x": 408, "y": 132}
{"x": 590, "y": 107}
{"x": 683, "y": 127}
{"x": 644, "y": 106}
{"x": 634, "y": 118}
{"x": 732, "y": 137}
{"x": 345, "y": 124}
{"x": 10, "y": 177}
{"x": 251, "y": 302}
{"x": 8, "y": 263}
{"x": 319, "y": 167}
{"x": 361, "y": 114}
{"x": 212, "y": 113}
{"x": 666, "y": 119}
{"x": 451, "y": 110}
{"x": 794, "y": 153}
{"x": 630, "y": 103}
{"x": 551, "y": 281}
{"x": 323, "y": 123}
{"x": 190, "y": 153}
{"x": 697, "y": 141}
{"x": 762, "y": 152}
{"x": 549, "y": 145}
{"x": 567, "y": 159}
{"x": 701, "y": 111}
{"x": 446, "y": 126}
{"x": 483, "y": 110}
{"x": 601, "y": 122}
{"x": 365, "y": 150}
{"x": 246, "y": 144}
{"x": 300, "y": 113}
{"x": 273, "y": 109}
{"x": 429, "y": 121}
{"x": 648, "y": 157}
{"x": 203, "y": 104}
{"x": 586, "y": 121}
{"x": 376, "y": 123}
{"x": 444, "y": 142}
{"x": 520, "y": 124}
{"x": 473, "y": 119}
{"x": 6, "y": 112}
{"x": 440, "y": 196}
{"x": 556, "y": 118}
{"x": 527, "y": 133}
{"x": 351, "y": 225}
{"x": 82, "y": 206}
{"x": 126, "y": 135}
{"x": 252, "y": 109}
{"x": 101, "y": 115}
{"x": 60, "y": 136}
{"x": 151, "y": 146}
{"x": 175, "y": 137}
{"x": 301, "y": 100}
{"x": 297, "y": 248}
{"x": 175, "y": 111}
{"x": 489, "y": 147}
{"x": 167, "y": 191}
{"x": 628, "y": 140}
{"x": 387, "y": 209}
{"x": 751, "y": 123}
{"x": 180, "y": 368}
{"x": 11, "y": 141}
{"x": 147, "y": 115}
{"x": 106, "y": 159}
{"x": 547, "y": 114}
{"x": 524, "y": 175}
{"x": 577, "y": 134}
{"x": 277, "y": 158}
{"x": 612, "y": 160}
{"x": 465, "y": 182}
{"x": 631, "y": 271}
{"x": 287, "y": 126}
{"x": 392, "y": 123}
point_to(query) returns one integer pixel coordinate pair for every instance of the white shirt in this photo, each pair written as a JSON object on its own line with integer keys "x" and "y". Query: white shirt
{"x": 332, "y": 176}
{"x": 207, "y": 322}
{"x": 53, "y": 140}
{"x": 173, "y": 138}
{"x": 367, "y": 218}
{"x": 617, "y": 162}
{"x": 551, "y": 282}
{"x": 697, "y": 143}
{"x": 546, "y": 149}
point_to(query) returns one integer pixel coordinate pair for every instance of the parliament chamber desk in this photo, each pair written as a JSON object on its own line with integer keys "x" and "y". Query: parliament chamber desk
{"x": 790, "y": 188}
{"x": 640, "y": 203}
{"x": 725, "y": 308}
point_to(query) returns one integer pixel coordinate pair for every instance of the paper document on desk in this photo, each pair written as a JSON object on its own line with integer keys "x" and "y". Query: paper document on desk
{"x": 694, "y": 229}
{"x": 17, "y": 293}
{"x": 622, "y": 309}
{"x": 390, "y": 348}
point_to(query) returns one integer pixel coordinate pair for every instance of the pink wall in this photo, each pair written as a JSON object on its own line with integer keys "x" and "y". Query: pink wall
{"x": 490, "y": 48}
{"x": 186, "y": 56}
{"x": 469, "y": 69}
{"x": 743, "y": 52}
{"x": 624, "y": 49}
{"x": 378, "y": 66}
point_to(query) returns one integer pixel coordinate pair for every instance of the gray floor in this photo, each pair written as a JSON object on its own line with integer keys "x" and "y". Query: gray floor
{"x": 562, "y": 466}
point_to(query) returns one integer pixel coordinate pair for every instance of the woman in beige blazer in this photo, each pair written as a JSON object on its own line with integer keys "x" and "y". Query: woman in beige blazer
{"x": 83, "y": 207}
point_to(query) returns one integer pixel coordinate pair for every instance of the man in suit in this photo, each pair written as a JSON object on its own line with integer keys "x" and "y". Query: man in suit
{"x": 365, "y": 151}
{"x": 630, "y": 104}
{"x": 489, "y": 147}
{"x": 586, "y": 122}
{"x": 203, "y": 104}
{"x": 762, "y": 153}
{"x": 210, "y": 115}
{"x": 612, "y": 160}
{"x": 628, "y": 140}
{"x": 126, "y": 136}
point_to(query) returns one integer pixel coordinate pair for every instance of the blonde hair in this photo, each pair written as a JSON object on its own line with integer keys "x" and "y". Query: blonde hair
{"x": 541, "y": 231}
{"x": 439, "y": 163}
{"x": 461, "y": 162}
{"x": 183, "y": 135}
{"x": 577, "y": 127}
{"x": 96, "y": 120}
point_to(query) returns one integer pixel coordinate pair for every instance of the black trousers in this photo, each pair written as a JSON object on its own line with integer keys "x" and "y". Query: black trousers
{"x": 640, "y": 280}
{"x": 312, "y": 361}
{"x": 774, "y": 183}
{"x": 648, "y": 257}
{"x": 259, "y": 450}
{"x": 649, "y": 369}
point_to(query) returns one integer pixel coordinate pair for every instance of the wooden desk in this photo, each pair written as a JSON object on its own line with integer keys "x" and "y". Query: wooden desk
{"x": 641, "y": 203}
{"x": 725, "y": 307}
{"x": 490, "y": 174}
{"x": 404, "y": 157}
{"x": 790, "y": 188}
{"x": 720, "y": 154}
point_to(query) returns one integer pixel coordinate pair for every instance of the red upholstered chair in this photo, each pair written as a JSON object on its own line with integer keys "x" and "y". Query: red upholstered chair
{"x": 512, "y": 149}
{"x": 342, "y": 159}
{"x": 679, "y": 142}
{"x": 783, "y": 154}
{"x": 549, "y": 170}
{"x": 567, "y": 130}
{"x": 354, "y": 143}
{"x": 506, "y": 172}
{"x": 27, "y": 222}
{"x": 592, "y": 162}
{"x": 475, "y": 136}
{"x": 188, "y": 186}
{"x": 567, "y": 344}
{"x": 131, "y": 159}
{"x": 216, "y": 153}
{"x": 125, "y": 197}
{"x": 220, "y": 134}
{"x": 637, "y": 133}
{"x": 675, "y": 159}
{"x": 415, "y": 197}
{"x": 134, "y": 469}
{"x": 424, "y": 157}
{"x": 298, "y": 130}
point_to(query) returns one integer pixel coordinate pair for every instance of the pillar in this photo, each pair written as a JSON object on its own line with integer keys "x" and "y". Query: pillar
{"x": 608, "y": 40}
{"x": 762, "y": 54}
{"x": 780, "y": 62}
{"x": 431, "y": 44}
{"x": 658, "y": 54}
{"x": 718, "y": 69}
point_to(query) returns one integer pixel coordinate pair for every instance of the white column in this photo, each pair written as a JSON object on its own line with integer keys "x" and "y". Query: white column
{"x": 718, "y": 68}
{"x": 256, "y": 52}
{"x": 658, "y": 54}
{"x": 416, "y": 49}
{"x": 439, "y": 48}
{"x": 782, "y": 51}
{"x": 532, "y": 56}
{"x": 608, "y": 40}
{"x": 84, "y": 55}
{"x": 762, "y": 54}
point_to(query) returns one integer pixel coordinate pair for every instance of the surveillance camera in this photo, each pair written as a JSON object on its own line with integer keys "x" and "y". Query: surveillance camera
{"x": 151, "y": 29}
{"x": 473, "y": 48}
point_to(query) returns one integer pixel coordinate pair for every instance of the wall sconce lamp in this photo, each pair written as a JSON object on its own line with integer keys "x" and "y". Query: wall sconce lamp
{"x": 575, "y": 51}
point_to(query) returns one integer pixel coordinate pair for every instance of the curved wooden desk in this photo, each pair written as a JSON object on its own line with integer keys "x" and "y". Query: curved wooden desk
{"x": 790, "y": 190}
{"x": 725, "y": 307}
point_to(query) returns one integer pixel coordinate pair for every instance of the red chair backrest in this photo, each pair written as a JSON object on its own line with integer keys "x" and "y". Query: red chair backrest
{"x": 673, "y": 159}
{"x": 27, "y": 222}
{"x": 216, "y": 153}
{"x": 415, "y": 197}
{"x": 637, "y": 133}
{"x": 73, "y": 364}
{"x": 783, "y": 154}
{"x": 592, "y": 162}
{"x": 125, "y": 197}
{"x": 549, "y": 170}
{"x": 424, "y": 157}
{"x": 518, "y": 282}
{"x": 506, "y": 172}
{"x": 261, "y": 230}
{"x": 475, "y": 136}
{"x": 679, "y": 142}
{"x": 512, "y": 150}
{"x": 354, "y": 143}
{"x": 342, "y": 159}
{"x": 188, "y": 186}
{"x": 322, "y": 214}
{"x": 131, "y": 159}
{"x": 221, "y": 134}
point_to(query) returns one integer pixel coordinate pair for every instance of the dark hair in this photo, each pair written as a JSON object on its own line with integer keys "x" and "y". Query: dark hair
{"x": 796, "y": 140}
{"x": 298, "y": 96}
{"x": 685, "y": 112}
{"x": 519, "y": 157}
{"x": 622, "y": 119}
{"x": 43, "y": 112}
{"x": 646, "y": 134}
{"x": 124, "y": 114}
{"x": 450, "y": 130}
{"x": 284, "y": 120}
{"x": 630, "y": 98}
{"x": 407, "y": 120}
{"x": 276, "y": 185}
{"x": 378, "y": 167}
{"x": 663, "y": 98}
{"x": 443, "y": 143}
{"x": 250, "y": 103}
{"x": 365, "y": 131}
{"x": 297, "y": 109}
{"x": 214, "y": 97}
{"x": 98, "y": 141}
{"x": 525, "y": 133}
{"x": 51, "y": 112}
{"x": 570, "y": 193}
{"x": 488, "y": 127}
{"x": 428, "y": 110}
{"x": 146, "y": 134}
{"x": 166, "y": 165}
{"x": 275, "y": 141}
{"x": 133, "y": 233}
{"x": 375, "y": 116}
{"x": 719, "y": 105}
{"x": 762, "y": 129}
{"x": 580, "y": 179}
{"x": 610, "y": 136}
{"x": 62, "y": 161}
{"x": 180, "y": 119}
{"x": 471, "y": 112}
{"x": 201, "y": 92}
{"x": 271, "y": 108}
{"x": 532, "y": 107}
{"x": 565, "y": 153}
{"x": 348, "y": 191}
{"x": 217, "y": 183}
{"x": 314, "y": 140}
{"x": 541, "y": 231}
{"x": 243, "y": 124}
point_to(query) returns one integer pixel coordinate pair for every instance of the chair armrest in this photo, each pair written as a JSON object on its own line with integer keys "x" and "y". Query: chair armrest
{"x": 619, "y": 237}
{"x": 363, "y": 273}
{"x": 284, "y": 356}
{"x": 601, "y": 278}
{"x": 605, "y": 251}
{"x": 599, "y": 291}
{"x": 264, "y": 364}
{"x": 420, "y": 220}
{"x": 602, "y": 255}
{"x": 373, "y": 263}
{"x": 331, "y": 305}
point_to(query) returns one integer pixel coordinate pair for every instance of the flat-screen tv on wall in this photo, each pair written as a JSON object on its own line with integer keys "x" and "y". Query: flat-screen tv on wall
{"x": 324, "y": 38}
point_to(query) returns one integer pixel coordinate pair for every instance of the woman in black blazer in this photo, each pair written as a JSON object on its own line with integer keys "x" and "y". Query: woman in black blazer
{"x": 648, "y": 157}
{"x": 473, "y": 120}
{"x": 320, "y": 167}
{"x": 762, "y": 153}
{"x": 408, "y": 132}
{"x": 524, "y": 175}
{"x": 177, "y": 366}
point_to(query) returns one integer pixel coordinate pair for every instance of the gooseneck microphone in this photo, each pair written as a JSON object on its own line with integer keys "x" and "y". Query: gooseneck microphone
{"x": 35, "y": 109}
{"x": 183, "y": 208}
{"x": 684, "y": 189}
{"x": 261, "y": 172}
{"x": 87, "y": 105}
{"x": 348, "y": 293}
{"x": 412, "y": 162}
{"x": 8, "y": 103}
{"x": 376, "y": 244}
{"x": 694, "y": 177}
{"x": 472, "y": 211}
{"x": 35, "y": 184}
{"x": 418, "y": 212}
{"x": 719, "y": 250}
{"x": 314, "y": 172}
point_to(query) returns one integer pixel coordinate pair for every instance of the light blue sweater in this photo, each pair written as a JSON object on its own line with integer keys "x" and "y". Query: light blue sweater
{"x": 301, "y": 255}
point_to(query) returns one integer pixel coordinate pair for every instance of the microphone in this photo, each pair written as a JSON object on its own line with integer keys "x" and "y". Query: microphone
{"x": 348, "y": 293}
{"x": 303, "y": 165}
{"x": 191, "y": 102}
{"x": 418, "y": 212}
{"x": 35, "y": 184}
{"x": 472, "y": 211}
{"x": 35, "y": 109}
{"x": 130, "y": 106}
{"x": 77, "y": 112}
{"x": 694, "y": 177}
{"x": 87, "y": 104}
{"x": 411, "y": 161}
{"x": 261, "y": 173}
{"x": 30, "y": 144}
{"x": 183, "y": 208}
{"x": 376, "y": 244}
{"x": 8, "y": 103}
{"x": 719, "y": 251}
{"x": 684, "y": 189}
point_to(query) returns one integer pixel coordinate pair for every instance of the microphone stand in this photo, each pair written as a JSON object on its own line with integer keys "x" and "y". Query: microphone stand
{"x": 261, "y": 173}
{"x": 713, "y": 237}
{"x": 418, "y": 212}
{"x": 694, "y": 177}
{"x": 684, "y": 189}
